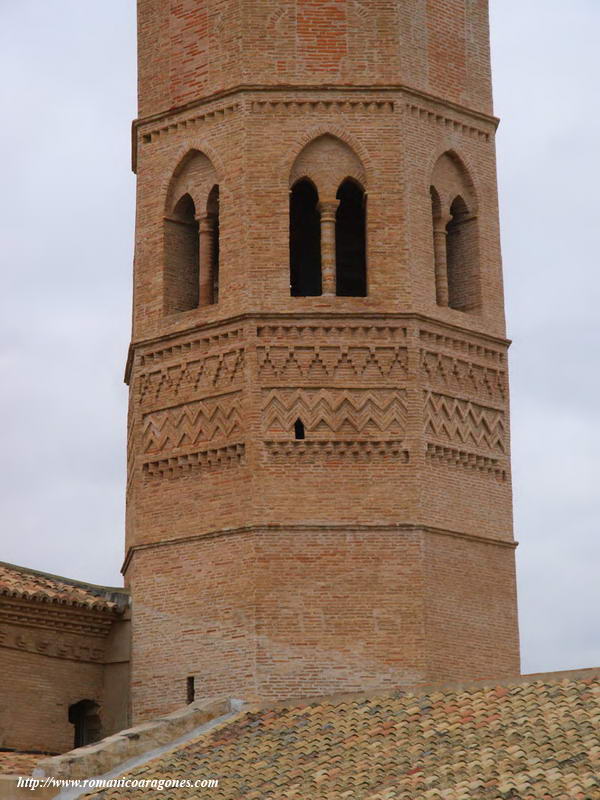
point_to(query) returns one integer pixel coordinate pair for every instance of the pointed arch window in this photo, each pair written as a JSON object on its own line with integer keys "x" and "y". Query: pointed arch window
{"x": 299, "y": 429}
{"x": 455, "y": 236}
{"x": 182, "y": 267}
{"x": 350, "y": 241}
{"x": 209, "y": 250}
{"x": 191, "y": 235}
{"x": 305, "y": 240}
{"x": 462, "y": 257}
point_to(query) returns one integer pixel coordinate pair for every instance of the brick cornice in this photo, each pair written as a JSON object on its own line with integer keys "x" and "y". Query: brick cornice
{"x": 38, "y": 614}
{"x": 354, "y": 89}
{"x": 400, "y": 316}
{"x": 400, "y": 527}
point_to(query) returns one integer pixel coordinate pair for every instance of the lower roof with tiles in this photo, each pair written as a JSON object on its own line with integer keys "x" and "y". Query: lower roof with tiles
{"x": 21, "y": 583}
{"x": 537, "y": 738}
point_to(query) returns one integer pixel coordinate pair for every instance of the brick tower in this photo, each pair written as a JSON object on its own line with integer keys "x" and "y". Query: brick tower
{"x": 319, "y": 493}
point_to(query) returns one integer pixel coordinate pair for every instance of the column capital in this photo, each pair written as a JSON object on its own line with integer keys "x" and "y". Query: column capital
{"x": 206, "y": 222}
{"x": 328, "y": 209}
{"x": 440, "y": 223}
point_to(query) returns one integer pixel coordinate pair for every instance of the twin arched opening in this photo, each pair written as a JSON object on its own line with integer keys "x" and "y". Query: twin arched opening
{"x": 191, "y": 236}
{"x": 327, "y": 228}
{"x": 455, "y": 236}
{"x": 311, "y": 240}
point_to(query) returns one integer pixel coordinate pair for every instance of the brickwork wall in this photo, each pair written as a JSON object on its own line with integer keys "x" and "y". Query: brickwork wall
{"x": 40, "y": 690}
{"x": 404, "y": 400}
{"x": 306, "y": 611}
{"x": 471, "y": 615}
{"x": 195, "y": 616}
{"x": 193, "y": 48}
{"x": 254, "y": 143}
{"x": 52, "y": 656}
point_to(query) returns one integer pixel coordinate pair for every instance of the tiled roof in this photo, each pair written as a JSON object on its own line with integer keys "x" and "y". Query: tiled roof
{"x": 17, "y": 763}
{"x": 21, "y": 583}
{"x": 537, "y": 740}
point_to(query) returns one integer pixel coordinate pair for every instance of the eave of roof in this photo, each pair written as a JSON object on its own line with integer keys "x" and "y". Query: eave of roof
{"x": 22, "y": 583}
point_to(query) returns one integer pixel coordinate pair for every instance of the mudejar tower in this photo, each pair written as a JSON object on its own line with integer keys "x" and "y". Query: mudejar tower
{"x": 319, "y": 493}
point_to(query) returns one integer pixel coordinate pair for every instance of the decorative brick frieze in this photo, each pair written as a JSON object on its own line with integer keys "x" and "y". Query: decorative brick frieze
{"x": 464, "y": 345}
{"x": 192, "y": 423}
{"x": 447, "y": 122}
{"x": 191, "y": 123}
{"x": 450, "y": 373}
{"x": 337, "y": 411}
{"x": 451, "y": 456}
{"x": 321, "y": 106}
{"x": 214, "y": 373}
{"x": 51, "y": 644}
{"x": 189, "y": 347}
{"x": 45, "y": 615}
{"x": 210, "y": 459}
{"x": 332, "y": 331}
{"x": 314, "y": 363}
{"x": 333, "y": 450}
{"x": 463, "y": 422}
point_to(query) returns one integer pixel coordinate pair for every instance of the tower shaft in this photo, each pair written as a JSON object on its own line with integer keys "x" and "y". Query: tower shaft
{"x": 319, "y": 493}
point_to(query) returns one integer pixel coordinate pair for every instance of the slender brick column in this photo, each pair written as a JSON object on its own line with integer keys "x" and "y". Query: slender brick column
{"x": 441, "y": 267}
{"x": 206, "y": 229}
{"x": 328, "y": 209}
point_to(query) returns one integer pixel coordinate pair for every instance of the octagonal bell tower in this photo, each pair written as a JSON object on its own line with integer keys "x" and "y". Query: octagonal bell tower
{"x": 319, "y": 493}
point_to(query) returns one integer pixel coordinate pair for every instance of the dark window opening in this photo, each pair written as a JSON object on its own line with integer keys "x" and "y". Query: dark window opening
{"x": 305, "y": 241}
{"x": 351, "y": 241}
{"x": 182, "y": 257}
{"x": 84, "y": 716}
{"x": 462, "y": 258}
{"x": 299, "y": 431}
{"x": 191, "y": 689}
{"x": 213, "y": 211}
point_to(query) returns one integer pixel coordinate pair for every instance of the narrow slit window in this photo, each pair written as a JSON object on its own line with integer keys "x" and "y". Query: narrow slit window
{"x": 299, "y": 430}
{"x": 191, "y": 689}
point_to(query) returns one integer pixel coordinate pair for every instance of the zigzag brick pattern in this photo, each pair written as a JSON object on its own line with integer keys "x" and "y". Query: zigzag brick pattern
{"x": 190, "y": 424}
{"x": 446, "y": 373}
{"x": 367, "y": 412}
{"x": 314, "y": 363}
{"x": 459, "y": 421}
{"x": 219, "y": 371}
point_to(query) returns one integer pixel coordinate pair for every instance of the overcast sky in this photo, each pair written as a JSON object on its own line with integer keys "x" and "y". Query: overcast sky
{"x": 66, "y": 235}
